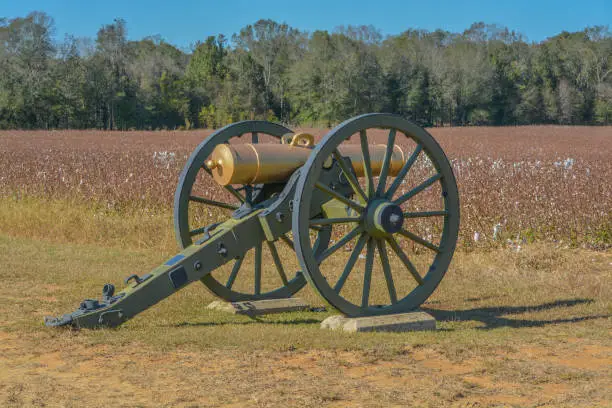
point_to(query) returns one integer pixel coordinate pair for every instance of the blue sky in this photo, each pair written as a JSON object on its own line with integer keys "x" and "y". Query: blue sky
{"x": 183, "y": 22}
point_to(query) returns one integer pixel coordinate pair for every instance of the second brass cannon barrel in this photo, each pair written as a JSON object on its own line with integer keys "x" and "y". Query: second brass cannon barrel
{"x": 271, "y": 163}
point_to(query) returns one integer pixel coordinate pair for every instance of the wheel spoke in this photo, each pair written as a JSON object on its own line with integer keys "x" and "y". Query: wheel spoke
{"x": 367, "y": 165}
{"x": 367, "y": 273}
{"x": 258, "y": 269}
{"x": 350, "y": 177}
{"x": 418, "y": 189}
{"x": 402, "y": 256}
{"x": 403, "y": 171}
{"x": 229, "y": 188}
{"x": 343, "y": 241}
{"x": 287, "y": 241}
{"x": 419, "y": 240}
{"x": 277, "y": 263}
{"x": 350, "y": 263}
{"x": 197, "y": 231}
{"x": 254, "y": 137}
{"x": 233, "y": 192}
{"x": 232, "y": 277}
{"x": 212, "y": 202}
{"x": 384, "y": 171}
{"x": 328, "y": 221}
{"x": 424, "y": 214}
{"x": 384, "y": 260}
{"x": 248, "y": 191}
{"x": 339, "y": 197}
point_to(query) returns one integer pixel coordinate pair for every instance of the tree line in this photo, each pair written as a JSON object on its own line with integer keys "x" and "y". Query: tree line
{"x": 486, "y": 75}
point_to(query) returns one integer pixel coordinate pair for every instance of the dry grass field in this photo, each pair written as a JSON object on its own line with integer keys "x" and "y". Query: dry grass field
{"x": 523, "y": 321}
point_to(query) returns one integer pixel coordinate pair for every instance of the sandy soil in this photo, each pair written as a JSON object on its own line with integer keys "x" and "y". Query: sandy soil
{"x": 67, "y": 373}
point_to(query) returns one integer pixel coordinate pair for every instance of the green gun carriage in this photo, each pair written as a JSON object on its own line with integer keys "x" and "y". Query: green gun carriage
{"x": 282, "y": 193}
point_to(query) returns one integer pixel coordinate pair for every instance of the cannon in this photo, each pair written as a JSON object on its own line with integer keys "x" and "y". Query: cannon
{"x": 323, "y": 204}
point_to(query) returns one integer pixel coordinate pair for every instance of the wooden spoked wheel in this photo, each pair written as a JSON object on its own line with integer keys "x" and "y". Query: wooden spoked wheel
{"x": 406, "y": 215}
{"x": 200, "y": 203}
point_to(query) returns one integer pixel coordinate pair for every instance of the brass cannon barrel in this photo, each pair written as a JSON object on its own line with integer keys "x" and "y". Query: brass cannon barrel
{"x": 269, "y": 163}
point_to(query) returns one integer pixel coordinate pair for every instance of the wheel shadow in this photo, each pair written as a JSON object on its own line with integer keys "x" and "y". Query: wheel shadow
{"x": 492, "y": 316}
{"x": 253, "y": 320}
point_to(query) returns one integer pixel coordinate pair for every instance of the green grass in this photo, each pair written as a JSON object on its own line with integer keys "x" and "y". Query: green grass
{"x": 537, "y": 296}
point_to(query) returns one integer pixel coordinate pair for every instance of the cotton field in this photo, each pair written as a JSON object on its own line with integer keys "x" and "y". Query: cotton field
{"x": 517, "y": 184}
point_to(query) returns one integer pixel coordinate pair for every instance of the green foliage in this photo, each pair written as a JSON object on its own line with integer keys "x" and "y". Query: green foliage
{"x": 479, "y": 117}
{"x": 207, "y": 62}
{"x": 603, "y": 111}
{"x": 210, "y": 117}
{"x": 271, "y": 71}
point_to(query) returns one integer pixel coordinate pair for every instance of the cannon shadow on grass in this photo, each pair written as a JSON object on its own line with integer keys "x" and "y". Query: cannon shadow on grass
{"x": 253, "y": 320}
{"x": 491, "y": 316}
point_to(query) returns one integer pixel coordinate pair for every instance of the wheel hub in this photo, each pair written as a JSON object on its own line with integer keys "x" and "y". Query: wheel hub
{"x": 383, "y": 218}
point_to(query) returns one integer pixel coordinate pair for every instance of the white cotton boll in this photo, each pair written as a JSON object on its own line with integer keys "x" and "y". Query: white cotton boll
{"x": 476, "y": 236}
{"x": 496, "y": 230}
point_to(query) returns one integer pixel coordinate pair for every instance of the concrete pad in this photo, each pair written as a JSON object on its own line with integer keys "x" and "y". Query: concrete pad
{"x": 401, "y": 322}
{"x": 260, "y": 307}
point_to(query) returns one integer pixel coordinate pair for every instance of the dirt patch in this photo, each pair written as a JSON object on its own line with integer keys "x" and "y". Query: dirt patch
{"x": 591, "y": 357}
{"x": 435, "y": 362}
{"x": 69, "y": 373}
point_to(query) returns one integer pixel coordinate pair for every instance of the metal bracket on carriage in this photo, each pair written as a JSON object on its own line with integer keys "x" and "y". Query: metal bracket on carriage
{"x": 109, "y": 318}
{"x": 257, "y": 198}
{"x": 134, "y": 277}
{"x": 206, "y": 231}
